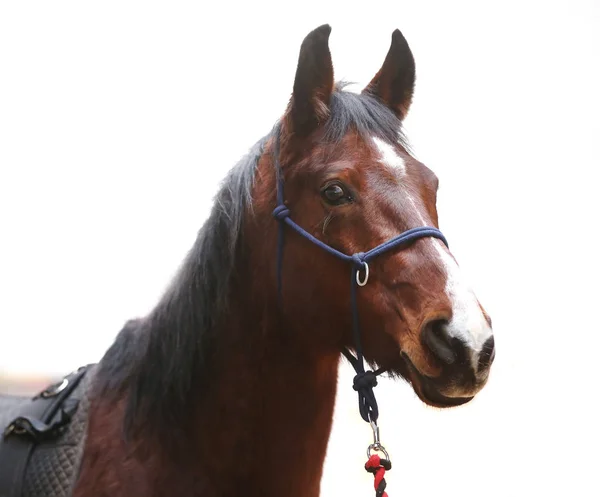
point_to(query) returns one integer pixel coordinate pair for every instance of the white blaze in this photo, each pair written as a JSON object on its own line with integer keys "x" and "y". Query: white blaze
{"x": 389, "y": 156}
{"x": 468, "y": 322}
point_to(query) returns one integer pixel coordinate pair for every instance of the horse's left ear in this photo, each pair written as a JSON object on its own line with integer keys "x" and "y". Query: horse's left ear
{"x": 313, "y": 85}
{"x": 395, "y": 81}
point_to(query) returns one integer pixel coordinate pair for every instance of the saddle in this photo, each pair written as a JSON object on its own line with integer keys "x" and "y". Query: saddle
{"x": 42, "y": 438}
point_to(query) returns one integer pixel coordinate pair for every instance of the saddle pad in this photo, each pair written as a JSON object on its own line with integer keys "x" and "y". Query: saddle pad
{"x": 54, "y": 464}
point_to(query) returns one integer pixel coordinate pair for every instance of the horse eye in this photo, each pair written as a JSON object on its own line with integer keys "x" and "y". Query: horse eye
{"x": 335, "y": 194}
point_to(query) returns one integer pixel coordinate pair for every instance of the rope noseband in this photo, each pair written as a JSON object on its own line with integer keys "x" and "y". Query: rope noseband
{"x": 364, "y": 381}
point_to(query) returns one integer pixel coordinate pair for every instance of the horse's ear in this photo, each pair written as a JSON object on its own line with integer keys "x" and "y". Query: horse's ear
{"x": 395, "y": 81}
{"x": 313, "y": 85}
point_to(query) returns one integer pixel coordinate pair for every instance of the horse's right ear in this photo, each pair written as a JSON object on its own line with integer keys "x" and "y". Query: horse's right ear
{"x": 313, "y": 85}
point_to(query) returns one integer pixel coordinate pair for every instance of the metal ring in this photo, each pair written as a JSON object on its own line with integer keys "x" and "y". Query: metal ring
{"x": 379, "y": 448}
{"x": 52, "y": 391}
{"x": 366, "y": 278}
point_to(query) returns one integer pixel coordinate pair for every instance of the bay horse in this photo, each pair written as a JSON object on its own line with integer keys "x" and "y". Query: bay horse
{"x": 227, "y": 387}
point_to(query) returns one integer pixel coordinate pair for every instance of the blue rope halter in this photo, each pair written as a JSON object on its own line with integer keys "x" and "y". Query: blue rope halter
{"x": 364, "y": 381}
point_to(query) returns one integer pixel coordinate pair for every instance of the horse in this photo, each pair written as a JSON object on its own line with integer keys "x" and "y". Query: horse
{"x": 227, "y": 386}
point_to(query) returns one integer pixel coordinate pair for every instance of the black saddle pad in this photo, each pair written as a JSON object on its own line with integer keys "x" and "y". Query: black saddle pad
{"x": 54, "y": 464}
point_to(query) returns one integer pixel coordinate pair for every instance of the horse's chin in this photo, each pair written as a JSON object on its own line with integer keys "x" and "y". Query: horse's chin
{"x": 427, "y": 389}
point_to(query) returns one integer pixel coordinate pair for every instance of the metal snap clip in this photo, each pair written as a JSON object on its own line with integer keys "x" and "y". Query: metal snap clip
{"x": 376, "y": 445}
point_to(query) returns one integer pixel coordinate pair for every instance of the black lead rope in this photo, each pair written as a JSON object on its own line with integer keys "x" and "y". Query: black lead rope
{"x": 364, "y": 381}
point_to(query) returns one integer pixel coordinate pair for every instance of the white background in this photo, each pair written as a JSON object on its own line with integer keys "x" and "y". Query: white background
{"x": 119, "y": 119}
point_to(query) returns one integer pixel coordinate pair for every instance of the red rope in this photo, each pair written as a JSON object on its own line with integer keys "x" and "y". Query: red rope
{"x": 378, "y": 466}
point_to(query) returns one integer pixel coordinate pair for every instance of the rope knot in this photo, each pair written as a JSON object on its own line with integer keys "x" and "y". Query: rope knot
{"x": 364, "y": 381}
{"x": 359, "y": 259}
{"x": 281, "y": 212}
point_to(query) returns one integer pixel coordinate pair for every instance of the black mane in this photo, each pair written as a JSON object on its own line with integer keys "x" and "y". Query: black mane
{"x": 158, "y": 360}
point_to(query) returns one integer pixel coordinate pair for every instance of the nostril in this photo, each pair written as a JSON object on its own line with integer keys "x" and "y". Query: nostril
{"x": 438, "y": 341}
{"x": 487, "y": 354}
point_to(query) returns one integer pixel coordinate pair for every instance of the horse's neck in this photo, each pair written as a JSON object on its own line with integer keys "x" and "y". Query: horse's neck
{"x": 269, "y": 410}
{"x": 259, "y": 426}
